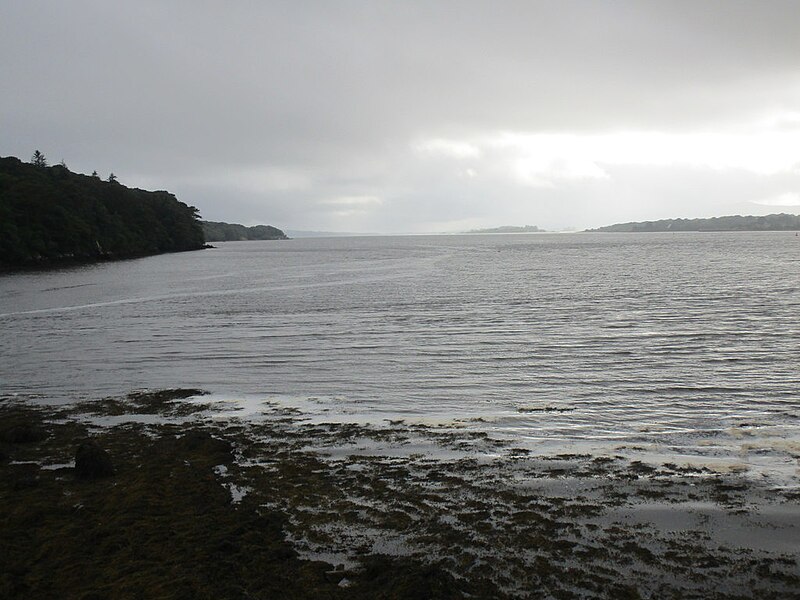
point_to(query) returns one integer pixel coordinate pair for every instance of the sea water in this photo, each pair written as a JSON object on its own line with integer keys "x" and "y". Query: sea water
{"x": 681, "y": 346}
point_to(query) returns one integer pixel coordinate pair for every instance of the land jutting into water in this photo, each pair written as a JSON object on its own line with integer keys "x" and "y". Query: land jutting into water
{"x": 50, "y": 216}
{"x": 230, "y": 232}
{"x": 175, "y": 494}
{"x": 509, "y": 229}
{"x": 774, "y": 222}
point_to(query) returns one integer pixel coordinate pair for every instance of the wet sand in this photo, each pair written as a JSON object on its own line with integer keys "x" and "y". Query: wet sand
{"x": 397, "y": 510}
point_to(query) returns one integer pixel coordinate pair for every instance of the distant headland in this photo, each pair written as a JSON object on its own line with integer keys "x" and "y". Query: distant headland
{"x": 216, "y": 231}
{"x": 509, "y": 229}
{"x": 774, "y": 222}
{"x": 50, "y": 215}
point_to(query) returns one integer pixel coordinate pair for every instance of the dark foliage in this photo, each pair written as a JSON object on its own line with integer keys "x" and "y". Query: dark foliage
{"x": 776, "y": 222}
{"x": 38, "y": 159}
{"x": 232, "y": 232}
{"x": 50, "y": 215}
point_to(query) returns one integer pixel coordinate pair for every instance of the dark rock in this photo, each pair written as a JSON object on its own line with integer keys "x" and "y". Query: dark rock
{"x": 203, "y": 442}
{"x": 405, "y": 579}
{"x": 92, "y": 462}
{"x": 161, "y": 401}
{"x": 161, "y": 396}
{"x": 23, "y": 433}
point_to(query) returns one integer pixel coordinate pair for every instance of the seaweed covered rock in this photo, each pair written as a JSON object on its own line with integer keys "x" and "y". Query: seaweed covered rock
{"x": 406, "y": 579}
{"x": 147, "y": 402}
{"x": 92, "y": 462}
{"x": 202, "y": 442}
{"x": 22, "y": 432}
{"x": 164, "y": 401}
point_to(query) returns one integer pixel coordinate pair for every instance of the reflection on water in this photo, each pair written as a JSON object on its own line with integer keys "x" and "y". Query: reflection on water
{"x": 684, "y": 343}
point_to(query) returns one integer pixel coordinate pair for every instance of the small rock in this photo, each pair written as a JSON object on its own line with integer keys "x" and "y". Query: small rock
{"x": 92, "y": 462}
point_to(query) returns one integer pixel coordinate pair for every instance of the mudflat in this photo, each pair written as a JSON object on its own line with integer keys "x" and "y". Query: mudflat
{"x": 191, "y": 500}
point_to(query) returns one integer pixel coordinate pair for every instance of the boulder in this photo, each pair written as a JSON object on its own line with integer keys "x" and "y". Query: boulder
{"x": 202, "y": 442}
{"x": 92, "y": 462}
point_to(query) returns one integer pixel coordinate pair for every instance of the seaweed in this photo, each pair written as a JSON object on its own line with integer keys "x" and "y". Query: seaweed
{"x": 207, "y": 508}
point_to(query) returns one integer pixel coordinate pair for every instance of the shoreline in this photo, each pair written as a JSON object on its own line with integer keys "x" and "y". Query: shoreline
{"x": 343, "y": 520}
{"x": 67, "y": 262}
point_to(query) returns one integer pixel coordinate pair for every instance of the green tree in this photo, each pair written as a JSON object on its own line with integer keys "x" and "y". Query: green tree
{"x": 112, "y": 178}
{"x": 52, "y": 215}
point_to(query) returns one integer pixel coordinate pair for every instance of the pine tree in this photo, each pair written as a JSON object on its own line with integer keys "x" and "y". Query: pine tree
{"x": 38, "y": 159}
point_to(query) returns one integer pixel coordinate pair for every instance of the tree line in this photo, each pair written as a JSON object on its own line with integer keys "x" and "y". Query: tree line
{"x": 49, "y": 214}
{"x": 774, "y": 222}
{"x": 229, "y": 232}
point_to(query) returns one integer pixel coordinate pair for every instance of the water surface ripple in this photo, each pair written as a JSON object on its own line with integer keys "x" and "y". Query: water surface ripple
{"x": 685, "y": 343}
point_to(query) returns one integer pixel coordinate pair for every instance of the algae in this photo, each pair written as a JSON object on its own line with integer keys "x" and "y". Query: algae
{"x": 173, "y": 520}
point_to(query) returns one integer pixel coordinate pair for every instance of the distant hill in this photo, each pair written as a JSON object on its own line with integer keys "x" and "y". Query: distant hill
{"x": 50, "y": 215}
{"x": 509, "y": 229}
{"x": 216, "y": 231}
{"x": 776, "y": 222}
{"x": 300, "y": 233}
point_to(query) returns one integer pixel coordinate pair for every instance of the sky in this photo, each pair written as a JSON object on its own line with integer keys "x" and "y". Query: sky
{"x": 415, "y": 116}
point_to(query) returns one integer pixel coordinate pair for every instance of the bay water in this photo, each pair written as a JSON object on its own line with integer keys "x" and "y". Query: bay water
{"x": 672, "y": 346}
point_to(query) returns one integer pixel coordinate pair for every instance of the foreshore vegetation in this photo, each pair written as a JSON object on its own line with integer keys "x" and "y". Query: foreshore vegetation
{"x": 170, "y": 494}
{"x": 50, "y": 215}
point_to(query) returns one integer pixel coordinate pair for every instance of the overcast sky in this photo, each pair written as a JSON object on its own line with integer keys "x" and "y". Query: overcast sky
{"x": 414, "y": 116}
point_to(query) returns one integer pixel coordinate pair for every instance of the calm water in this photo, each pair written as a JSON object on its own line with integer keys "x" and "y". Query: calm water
{"x": 674, "y": 343}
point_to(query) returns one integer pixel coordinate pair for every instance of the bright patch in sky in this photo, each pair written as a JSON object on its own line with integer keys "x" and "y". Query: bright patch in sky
{"x": 448, "y": 148}
{"x": 787, "y": 199}
{"x": 354, "y": 201}
{"x": 351, "y": 206}
{"x": 544, "y": 159}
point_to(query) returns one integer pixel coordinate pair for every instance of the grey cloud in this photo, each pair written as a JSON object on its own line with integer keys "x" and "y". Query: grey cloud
{"x": 334, "y": 94}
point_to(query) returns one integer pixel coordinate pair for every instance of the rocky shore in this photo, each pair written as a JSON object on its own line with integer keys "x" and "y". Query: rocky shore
{"x": 169, "y": 494}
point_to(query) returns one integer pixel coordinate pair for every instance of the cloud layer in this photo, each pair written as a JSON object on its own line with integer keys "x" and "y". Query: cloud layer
{"x": 416, "y": 116}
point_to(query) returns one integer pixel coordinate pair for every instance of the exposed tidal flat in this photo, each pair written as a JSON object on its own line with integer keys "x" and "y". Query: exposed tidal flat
{"x": 208, "y": 497}
{"x": 581, "y": 415}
